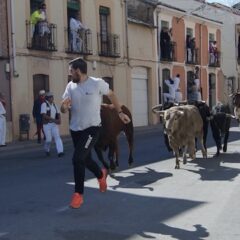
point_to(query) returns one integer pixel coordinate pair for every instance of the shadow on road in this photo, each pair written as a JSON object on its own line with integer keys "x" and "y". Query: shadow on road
{"x": 213, "y": 169}
{"x": 140, "y": 179}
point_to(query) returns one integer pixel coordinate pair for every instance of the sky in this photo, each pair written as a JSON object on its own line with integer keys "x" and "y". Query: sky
{"x": 225, "y": 2}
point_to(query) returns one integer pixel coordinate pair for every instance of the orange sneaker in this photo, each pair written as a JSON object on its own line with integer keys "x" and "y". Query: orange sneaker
{"x": 77, "y": 200}
{"x": 102, "y": 181}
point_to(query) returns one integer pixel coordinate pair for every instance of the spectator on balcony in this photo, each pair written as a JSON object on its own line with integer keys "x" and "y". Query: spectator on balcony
{"x": 192, "y": 49}
{"x": 213, "y": 52}
{"x": 165, "y": 43}
{"x": 188, "y": 46}
{"x": 39, "y": 21}
{"x": 76, "y": 33}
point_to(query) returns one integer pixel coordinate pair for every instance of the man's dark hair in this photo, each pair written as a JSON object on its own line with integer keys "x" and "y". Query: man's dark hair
{"x": 178, "y": 75}
{"x": 79, "y": 64}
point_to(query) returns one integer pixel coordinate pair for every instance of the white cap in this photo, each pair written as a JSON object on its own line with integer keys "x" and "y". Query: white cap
{"x": 49, "y": 94}
{"x": 41, "y": 92}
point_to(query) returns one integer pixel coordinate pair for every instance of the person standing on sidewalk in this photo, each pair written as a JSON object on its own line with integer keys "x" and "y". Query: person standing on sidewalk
{"x": 51, "y": 120}
{"x": 2, "y": 121}
{"x": 83, "y": 96}
{"x": 36, "y": 112}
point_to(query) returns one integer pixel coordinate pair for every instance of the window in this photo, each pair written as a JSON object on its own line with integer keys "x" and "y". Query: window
{"x": 104, "y": 27}
{"x": 164, "y": 24}
{"x": 34, "y": 5}
{"x": 211, "y": 37}
{"x": 190, "y": 32}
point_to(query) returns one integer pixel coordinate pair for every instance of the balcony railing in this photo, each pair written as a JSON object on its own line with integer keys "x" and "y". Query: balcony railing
{"x": 214, "y": 59}
{"x": 109, "y": 45}
{"x": 79, "y": 42}
{"x": 168, "y": 53}
{"x": 42, "y": 36}
{"x": 192, "y": 56}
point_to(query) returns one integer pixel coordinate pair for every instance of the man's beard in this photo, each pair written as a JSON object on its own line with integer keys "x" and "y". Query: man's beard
{"x": 76, "y": 80}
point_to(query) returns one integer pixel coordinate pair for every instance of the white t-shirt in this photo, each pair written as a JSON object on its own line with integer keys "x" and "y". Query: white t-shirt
{"x": 86, "y": 98}
{"x": 75, "y": 25}
{"x": 176, "y": 83}
{"x": 171, "y": 88}
{"x": 50, "y": 107}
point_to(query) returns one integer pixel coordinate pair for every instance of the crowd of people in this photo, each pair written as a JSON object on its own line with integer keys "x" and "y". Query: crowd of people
{"x": 174, "y": 92}
{"x": 167, "y": 47}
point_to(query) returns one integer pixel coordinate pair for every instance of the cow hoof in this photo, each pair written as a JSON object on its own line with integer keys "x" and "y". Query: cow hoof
{"x": 177, "y": 167}
{"x": 224, "y": 149}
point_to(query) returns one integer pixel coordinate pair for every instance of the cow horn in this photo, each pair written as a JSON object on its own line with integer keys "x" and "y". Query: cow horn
{"x": 154, "y": 108}
{"x": 230, "y": 116}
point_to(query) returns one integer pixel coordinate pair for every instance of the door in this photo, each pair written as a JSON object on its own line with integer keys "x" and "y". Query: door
{"x": 139, "y": 96}
{"x": 40, "y": 82}
{"x": 212, "y": 89}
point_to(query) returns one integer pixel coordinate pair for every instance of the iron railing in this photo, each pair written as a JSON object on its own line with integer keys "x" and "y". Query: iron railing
{"x": 214, "y": 59}
{"x": 79, "y": 42}
{"x": 109, "y": 45}
{"x": 192, "y": 56}
{"x": 41, "y": 36}
{"x": 169, "y": 53}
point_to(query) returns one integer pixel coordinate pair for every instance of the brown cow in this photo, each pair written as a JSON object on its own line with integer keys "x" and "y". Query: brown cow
{"x": 112, "y": 126}
{"x": 183, "y": 124}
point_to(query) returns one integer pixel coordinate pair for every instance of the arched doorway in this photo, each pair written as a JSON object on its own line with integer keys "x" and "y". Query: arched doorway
{"x": 190, "y": 79}
{"x": 165, "y": 76}
{"x": 40, "y": 81}
{"x": 212, "y": 89}
{"x": 140, "y": 96}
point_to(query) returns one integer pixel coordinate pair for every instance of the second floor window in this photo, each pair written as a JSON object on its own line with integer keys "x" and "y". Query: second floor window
{"x": 104, "y": 27}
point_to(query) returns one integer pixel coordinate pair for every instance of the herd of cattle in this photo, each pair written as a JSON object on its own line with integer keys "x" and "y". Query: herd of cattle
{"x": 183, "y": 123}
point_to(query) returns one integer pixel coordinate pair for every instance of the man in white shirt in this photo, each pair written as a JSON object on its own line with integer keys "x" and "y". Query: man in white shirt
{"x": 83, "y": 95}
{"x": 76, "y": 39}
{"x": 170, "y": 96}
{"x": 2, "y": 123}
{"x": 178, "y": 94}
{"x": 51, "y": 120}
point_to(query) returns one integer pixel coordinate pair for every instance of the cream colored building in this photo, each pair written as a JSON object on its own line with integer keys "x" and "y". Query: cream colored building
{"x": 114, "y": 48}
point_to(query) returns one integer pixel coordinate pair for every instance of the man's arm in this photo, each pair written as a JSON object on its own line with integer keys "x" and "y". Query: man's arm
{"x": 114, "y": 100}
{"x": 65, "y": 105}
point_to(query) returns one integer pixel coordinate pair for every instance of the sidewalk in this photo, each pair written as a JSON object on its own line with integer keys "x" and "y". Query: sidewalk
{"x": 27, "y": 144}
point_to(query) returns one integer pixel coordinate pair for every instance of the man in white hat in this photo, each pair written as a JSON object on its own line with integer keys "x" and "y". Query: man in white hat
{"x": 36, "y": 112}
{"x": 51, "y": 119}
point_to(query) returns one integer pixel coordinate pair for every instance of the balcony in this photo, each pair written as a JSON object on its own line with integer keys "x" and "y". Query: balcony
{"x": 41, "y": 36}
{"x": 192, "y": 56}
{"x": 214, "y": 59}
{"x": 79, "y": 42}
{"x": 109, "y": 45}
{"x": 168, "y": 53}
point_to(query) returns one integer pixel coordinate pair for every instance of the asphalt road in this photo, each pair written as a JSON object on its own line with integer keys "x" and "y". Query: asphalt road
{"x": 150, "y": 200}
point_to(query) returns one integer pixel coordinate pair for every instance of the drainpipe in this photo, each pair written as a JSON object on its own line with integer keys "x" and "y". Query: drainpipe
{"x": 15, "y": 74}
{"x": 126, "y": 29}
